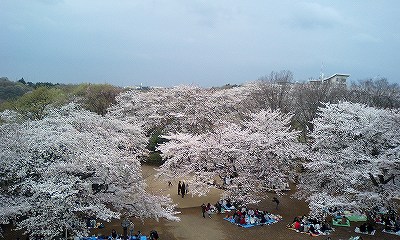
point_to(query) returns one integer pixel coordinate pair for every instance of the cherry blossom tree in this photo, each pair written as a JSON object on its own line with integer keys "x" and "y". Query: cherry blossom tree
{"x": 275, "y": 91}
{"x": 70, "y": 165}
{"x": 354, "y": 159}
{"x": 182, "y": 108}
{"x": 250, "y": 158}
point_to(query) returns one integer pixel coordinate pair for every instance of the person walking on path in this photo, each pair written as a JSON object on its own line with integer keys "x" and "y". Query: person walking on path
{"x": 183, "y": 191}
{"x": 203, "y": 210}
{"x": 208, "y": 209}
{"x": 179, "y": 188}
{"x": 275, "y": 200}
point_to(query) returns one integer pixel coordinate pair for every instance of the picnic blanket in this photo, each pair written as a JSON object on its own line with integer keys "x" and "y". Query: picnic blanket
{"x": 355, "y": 238}
{"x": 357, "y": 230}
{"x": 99, "y": 238}
{"x": 318, "y": 232}
{"x": 276, "y": 218}
{"x": 226, "y": 208}
{"x": 354, "y": 217}
{"x": 139, "y": 238}
{"x": 392, "y": 232}
{"x": 308, "y": 233}
{"x": 338, "y": 222}
{"x": 357, "y": 218}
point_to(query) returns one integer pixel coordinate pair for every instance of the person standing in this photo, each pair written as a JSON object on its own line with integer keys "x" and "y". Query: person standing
{"x": 183, "y": 190}
{"x": 275, "y": 200}
{"x": 203, "y": 210}
{"x": 208, "y": 209}
{"x": 114, "y": 234}
{"x": 179, "y": 188}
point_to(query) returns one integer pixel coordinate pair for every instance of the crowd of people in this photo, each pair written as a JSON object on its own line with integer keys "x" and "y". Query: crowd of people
{"x": 132, "y": 236}
{"x": 340, "y": 220}
{"x": 252, "y": 216}
{"x": 301, "y": 224}
{"x": 224, "y": 205}
{"x": 390, "y": 220}
{"x": 309, "y": 225}
{"x": 249, "y": 216}
{"x": 221, "y": 206}
{"x": 208, "y": 209}
{"x": 366, "y": 228}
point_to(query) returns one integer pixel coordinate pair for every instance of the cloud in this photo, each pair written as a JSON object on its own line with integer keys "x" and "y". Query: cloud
{"x": 315, "y": 16}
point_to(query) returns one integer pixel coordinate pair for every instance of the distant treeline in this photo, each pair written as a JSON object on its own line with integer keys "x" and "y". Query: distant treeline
{"x": 32, "y": 98}
{"x": 278, "y": 91}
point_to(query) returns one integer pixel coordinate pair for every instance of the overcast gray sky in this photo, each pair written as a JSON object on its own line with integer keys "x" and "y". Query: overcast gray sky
{"x": 206, "y": 43}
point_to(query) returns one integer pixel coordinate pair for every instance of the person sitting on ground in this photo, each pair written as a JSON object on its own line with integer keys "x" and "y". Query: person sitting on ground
{"x": 370, "y": 228}
{"x": 218, "y": 206}
{"x": 250, "y": 211}
{"x": 262, "y": 218}
{"x": 325, "y": 226}
{"x": 153, "y": 235}
{"x": 242, "y": 220}
{"x": 138, "y": 234}
{"x": 236, "y": 217}
{"x": 305, "y": 221}
{"x": 267, "y": 217}
{"x": 312, "y": 229}
{"x": 301, "y": 229}
{"x": 306, "y": 227}
{"x": 363, "y": 228}
{"x": 296, "y": 225}
{"x": 344, "y": 220}
{"x": 317, "y": 226}
{"x": 257, "y": 214}
{"x": 228, "y": 204}
{"x": 252, "y": 219}
{"x": 244, "y": 209}
{"x": 397, "y": 224}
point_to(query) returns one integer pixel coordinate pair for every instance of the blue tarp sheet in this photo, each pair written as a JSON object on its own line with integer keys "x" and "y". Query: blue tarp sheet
{"x": 248, "y": 225}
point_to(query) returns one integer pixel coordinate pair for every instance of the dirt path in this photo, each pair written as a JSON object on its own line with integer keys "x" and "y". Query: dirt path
{"x": 194, "y": 227}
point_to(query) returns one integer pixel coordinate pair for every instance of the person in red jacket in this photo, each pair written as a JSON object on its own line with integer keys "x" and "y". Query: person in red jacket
{"x": 242, "y": 220}
{"x": 296, "y": 225}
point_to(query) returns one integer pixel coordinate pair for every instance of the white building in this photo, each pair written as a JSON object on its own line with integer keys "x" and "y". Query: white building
{"x": 337, "y": 78}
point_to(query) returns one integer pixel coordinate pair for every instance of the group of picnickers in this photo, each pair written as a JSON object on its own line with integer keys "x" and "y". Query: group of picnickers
{"x": 312, "y": 226}
{"x": 206, "y": 209}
